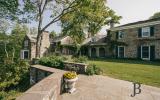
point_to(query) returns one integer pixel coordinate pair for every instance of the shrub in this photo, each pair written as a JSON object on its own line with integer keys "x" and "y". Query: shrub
{"x": 12, "y": 73}
{"x": 92, "y": 69}
{"x": 80, "y": 59}
{"x": 53, "y": 61}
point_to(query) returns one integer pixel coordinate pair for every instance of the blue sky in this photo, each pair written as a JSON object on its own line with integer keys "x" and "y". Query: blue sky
{"x": 130, "y": 10}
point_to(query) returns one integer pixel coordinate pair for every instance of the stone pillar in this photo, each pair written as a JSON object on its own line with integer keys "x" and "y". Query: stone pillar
{"x": 97, "y": 51}
{"x": 89, "y": 51}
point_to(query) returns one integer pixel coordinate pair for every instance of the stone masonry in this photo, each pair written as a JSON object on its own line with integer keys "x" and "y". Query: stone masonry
{"x": 133, "y": 41}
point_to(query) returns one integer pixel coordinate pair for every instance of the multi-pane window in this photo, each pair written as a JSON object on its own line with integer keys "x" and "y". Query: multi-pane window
{"x": 145, "y": 31}
{"x": 25, "y": 54}
{"x": 26, "y": 43}
{"x": 121, "y": 52}
{"x": 145, "y": 52}
{"x": 120, "y": 35}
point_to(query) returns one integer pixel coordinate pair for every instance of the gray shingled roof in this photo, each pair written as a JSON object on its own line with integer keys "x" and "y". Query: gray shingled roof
{"x": 139, "y": 22}
{"x": 32, "y": 37}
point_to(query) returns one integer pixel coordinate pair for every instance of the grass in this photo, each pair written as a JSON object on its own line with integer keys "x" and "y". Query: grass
{"x": 145, "y": 72}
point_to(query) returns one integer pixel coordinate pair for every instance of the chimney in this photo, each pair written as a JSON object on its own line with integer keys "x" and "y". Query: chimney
{"x": 111, "y": 24}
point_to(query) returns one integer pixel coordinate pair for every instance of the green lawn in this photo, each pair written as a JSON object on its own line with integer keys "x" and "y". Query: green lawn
{"x": 145, "y": 72}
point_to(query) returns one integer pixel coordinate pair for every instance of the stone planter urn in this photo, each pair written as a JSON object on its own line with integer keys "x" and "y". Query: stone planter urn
{"x": 70, "y": 79}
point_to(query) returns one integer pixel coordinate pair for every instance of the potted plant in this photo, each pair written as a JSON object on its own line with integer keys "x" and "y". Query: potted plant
{"x": 70, "y": 79}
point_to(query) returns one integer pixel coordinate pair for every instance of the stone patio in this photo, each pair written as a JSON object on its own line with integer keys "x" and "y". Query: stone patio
{"x": 106, "y": 88}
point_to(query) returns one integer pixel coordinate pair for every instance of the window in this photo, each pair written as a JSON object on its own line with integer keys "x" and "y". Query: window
{"x": 120, "y": 35}
{"x": 26, "y": 43}
{"x": 145, "y": 52}
{"x": 120, "y": 52}
{"x": 25, "y": 54}
{"x": 146, "y": 32}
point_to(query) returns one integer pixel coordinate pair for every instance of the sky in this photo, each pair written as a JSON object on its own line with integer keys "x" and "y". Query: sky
{"x": 130, "y": 10}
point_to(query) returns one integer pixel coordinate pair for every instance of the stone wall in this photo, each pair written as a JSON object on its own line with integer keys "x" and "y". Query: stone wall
{"x": 133, "y": 41}
{"x": 78, "y": 67}
{"x": 49, "y": 86}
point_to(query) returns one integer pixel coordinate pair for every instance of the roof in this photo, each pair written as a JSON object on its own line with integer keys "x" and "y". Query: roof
{"x": 58, "y": 38}
{"x": 94, "y": 39}
{"x": 141, "y": 22}
{"x": 138, "y": 24}
{"x": 32, "y": 37}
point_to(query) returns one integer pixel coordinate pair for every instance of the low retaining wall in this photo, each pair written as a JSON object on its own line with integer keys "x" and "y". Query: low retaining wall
{"x": 47, "y": 89}
{"x": 78, "y": 67}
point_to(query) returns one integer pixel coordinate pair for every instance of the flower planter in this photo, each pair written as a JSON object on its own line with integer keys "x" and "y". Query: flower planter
{"x": 70, "y": 84}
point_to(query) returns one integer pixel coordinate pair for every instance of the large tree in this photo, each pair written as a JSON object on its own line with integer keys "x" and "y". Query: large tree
{"x": 56, "y": 9}
{"x": 156, "y": 15}
{"x": 90, "y": 18}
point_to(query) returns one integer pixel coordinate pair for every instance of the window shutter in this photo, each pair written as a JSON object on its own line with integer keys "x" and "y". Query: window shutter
{"x": 117, "y": 35}
{"x": 116, "y": 51}
{"x": 139, "y": 52}
{"x": 21, "y": 54}
{"x": 140, "y": 32}
{"x": 152, "y": 52}
{"x": 152, "y": 30}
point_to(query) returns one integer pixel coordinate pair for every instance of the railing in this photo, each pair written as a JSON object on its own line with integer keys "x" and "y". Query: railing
{"x": 49, "y": 84}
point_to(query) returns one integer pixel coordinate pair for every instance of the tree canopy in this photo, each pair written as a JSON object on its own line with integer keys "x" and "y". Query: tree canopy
{"x": 87, "y": 19}
{"x": 156, "y": 15}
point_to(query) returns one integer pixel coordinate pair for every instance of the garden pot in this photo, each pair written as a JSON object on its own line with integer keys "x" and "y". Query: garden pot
{"x": 70, "y": 84}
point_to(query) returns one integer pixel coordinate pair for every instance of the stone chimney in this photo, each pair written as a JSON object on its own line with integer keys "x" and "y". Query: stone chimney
{"x": 111, "y": 24}
{"x": 45, "y": 43}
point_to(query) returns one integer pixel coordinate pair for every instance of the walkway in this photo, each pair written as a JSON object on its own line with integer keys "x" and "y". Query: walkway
{"x": 106, "y": 88}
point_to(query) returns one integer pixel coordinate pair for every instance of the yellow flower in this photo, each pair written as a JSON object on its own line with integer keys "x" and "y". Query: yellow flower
{"x": 70, "y": 75}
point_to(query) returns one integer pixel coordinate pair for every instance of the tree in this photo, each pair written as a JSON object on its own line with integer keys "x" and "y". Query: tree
{"x": 156, "y": 15}
{"x": 56, "y": 8}
{"x": 91, "y": 17}
{"x": 53, "y": 34}
{"x": 8, "y": 9}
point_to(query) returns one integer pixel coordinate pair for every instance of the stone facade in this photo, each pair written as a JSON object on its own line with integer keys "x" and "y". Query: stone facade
{"x": 30, "y": 40}
{"x": 132, "y": 40}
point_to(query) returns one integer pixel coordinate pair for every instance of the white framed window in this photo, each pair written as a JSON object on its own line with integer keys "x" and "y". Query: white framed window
{"x": 121, "y": 51}
{"x": 120, "y": 34}
{"x": 26, "y": 43}
{"x": 24, "y": 54}
{"x": 146, "y": 32}
{"x": 145, "y": 52}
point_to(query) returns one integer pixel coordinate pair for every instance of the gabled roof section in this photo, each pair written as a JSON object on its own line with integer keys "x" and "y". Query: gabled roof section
{"x": 32, "y": 37}
{"x": 98, "y": 39}
{"x": 143, "y": 23}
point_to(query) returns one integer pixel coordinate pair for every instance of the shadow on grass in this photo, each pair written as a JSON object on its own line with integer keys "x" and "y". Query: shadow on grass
{"x": 127, "y": 61}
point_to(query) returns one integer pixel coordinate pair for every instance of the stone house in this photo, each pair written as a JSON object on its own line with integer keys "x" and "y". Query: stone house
{"x": 135, "y": 40}
{"x": 28, "y": 50}
{"x": 142, "y": 39}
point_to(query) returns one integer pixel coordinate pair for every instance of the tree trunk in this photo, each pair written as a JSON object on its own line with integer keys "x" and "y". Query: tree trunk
{"x": 38, "y": 44}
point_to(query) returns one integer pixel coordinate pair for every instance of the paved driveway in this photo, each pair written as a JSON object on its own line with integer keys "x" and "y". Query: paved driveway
{"x": 106, "y": 88}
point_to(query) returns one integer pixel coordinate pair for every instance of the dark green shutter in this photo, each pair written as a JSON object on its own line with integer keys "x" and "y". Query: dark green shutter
{"x": 139, "y": 52}
{"x": 152, "y": 52}
{"x": 117, "y": 35}
{"x": 152, "y": 30}
{"x": 140, "y": 32}
{"x": 116, "y": 51}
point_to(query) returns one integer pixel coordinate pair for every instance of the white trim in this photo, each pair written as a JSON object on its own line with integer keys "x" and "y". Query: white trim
{"x": 118, "y": 51}
{"x": 149, "y": 47}
{"x": 22, "y": 54}
{"x": 135, "y": 26}
{"x": 142, "y": 31}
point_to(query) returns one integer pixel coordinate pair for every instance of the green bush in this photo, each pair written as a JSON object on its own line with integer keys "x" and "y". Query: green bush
{"x": 12, "y": 73}
{"x": 92, "y": 69}
{"x": 53, "y": 61}
{"x": 80, "y": 59}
